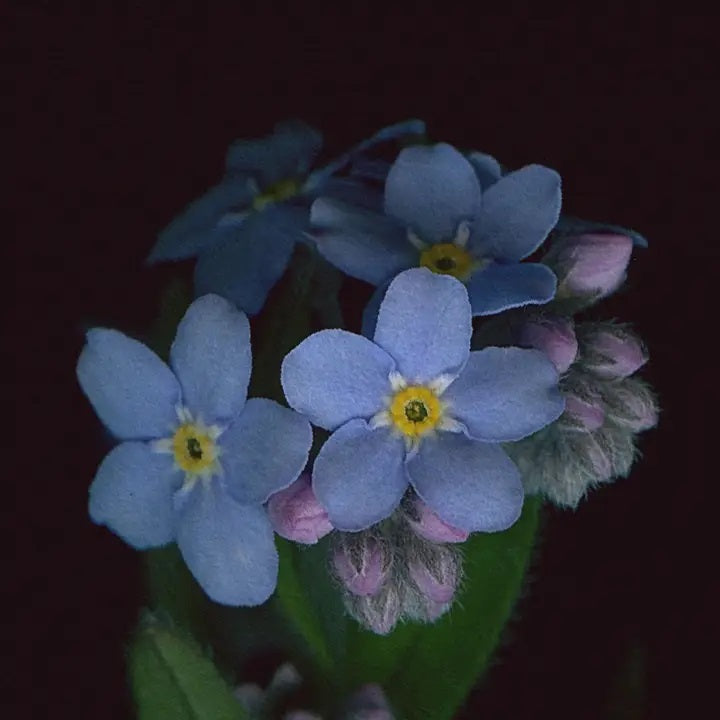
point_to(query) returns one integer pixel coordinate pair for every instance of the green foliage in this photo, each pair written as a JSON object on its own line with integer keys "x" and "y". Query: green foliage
{"x": 173, "y": 680}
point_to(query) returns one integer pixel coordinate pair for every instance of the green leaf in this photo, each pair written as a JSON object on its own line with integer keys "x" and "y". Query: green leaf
{"x": 173, "y": 680}
{"x": 428, "y": 670}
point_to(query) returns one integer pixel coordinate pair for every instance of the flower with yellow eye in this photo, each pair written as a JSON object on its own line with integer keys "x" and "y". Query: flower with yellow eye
{"x": 197, "y": 459}
{"x": 243, "y": 230}
{"x": 415, "y": 407}
{"x": 448, "y": 213}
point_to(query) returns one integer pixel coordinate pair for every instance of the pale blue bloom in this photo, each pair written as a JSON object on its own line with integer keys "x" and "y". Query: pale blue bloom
{"x": 415, "y": 407}
{"x": 197, "y": 459}
{"x": 244, "y": 229}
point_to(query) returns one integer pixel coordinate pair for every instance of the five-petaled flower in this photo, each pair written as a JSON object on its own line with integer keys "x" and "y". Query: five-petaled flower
{"x": 416, "y": 407}
{"x": 197, "y": 458}
{"x": 454, "y": 215}
{"x": 244, "y": 229}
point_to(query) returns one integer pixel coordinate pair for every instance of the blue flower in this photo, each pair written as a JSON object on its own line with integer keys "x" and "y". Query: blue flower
{"x": 197, "y": 458}
{"x": 416, "y": 407}
{"x": 244, "y": 229}
{"x": 452, "y": 215}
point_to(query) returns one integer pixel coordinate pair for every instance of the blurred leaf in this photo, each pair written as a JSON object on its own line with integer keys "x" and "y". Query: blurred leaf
{"x": 172, "y": 679}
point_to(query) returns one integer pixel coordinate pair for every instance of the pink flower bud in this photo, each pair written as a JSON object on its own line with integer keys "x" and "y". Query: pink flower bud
{"x": 379, "y": 612}
{"x": 592, "y": 264}
{"x": 368, "y": 703}
{"x": 633, "y": 405}
{"x": 296, "y": 514}
{"x": 585, "y": 413}
{"x": 599, "y": 459}
{"x": 428, "y": 525}
{"x": 612, "y": 352}
{"x": 436, "y": 578}
{"x": 553, "y": 336}
{"x": 361, "y": 564}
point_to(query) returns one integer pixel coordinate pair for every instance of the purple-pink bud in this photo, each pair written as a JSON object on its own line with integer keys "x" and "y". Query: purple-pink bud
{"x": 589, "y": 415}
{"x": 613, "y": 352}
{"x": 593, "y": 264}
{"x": 553, "y": 336}
{"x": 634, "y": 405}
{"x": 380, "y": 612}
{"x": 296, "y": 514}
{"x": 429, "y": 525}
{"x": 361, "y": 565}
{"x": 368, "y": 703}
{"x": 436, "y": 583}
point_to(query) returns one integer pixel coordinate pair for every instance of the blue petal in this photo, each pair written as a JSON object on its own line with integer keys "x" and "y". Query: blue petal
{"x": 505, "y": 394}
{"x": 500, "y": 287}
{"x": 196, "y": 228}
{"x": 287, "y": 153}
{"x": 244, "y": 267}
{"x": 228, "y": 547}
{"x": 334, "y": 376}
{"x": 432, "y": 189}
{"x": 358, "y": 475}
{"x": 132, "y": 390}
{"x": 370, "y": 313}
{"x": 568, "y": 225}
{"x": 487, "y": 168}
{"x": 390, "y": 132}
{"x": 470, "y": 485}
{"x": 354, "y": 192}
{"x": 264, "y": 450}
{"x": 211, "y": 358}
{"x": 424, "y": 323}
{"x": 362, "y": 244}
{"x": 133, "y": 495}
{"x": 518, "y": 212}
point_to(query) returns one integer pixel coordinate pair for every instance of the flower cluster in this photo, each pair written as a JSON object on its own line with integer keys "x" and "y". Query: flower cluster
{"x": 470, "y": 385}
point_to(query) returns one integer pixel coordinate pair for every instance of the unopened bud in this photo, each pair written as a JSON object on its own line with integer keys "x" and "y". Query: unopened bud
{"x": 591, "y": 264}
{"x": 368, "y": 703}
{"x": 428, "y": 525}
{"x": 379, "y": 612}
{"x": 610, "y": 351}
{"x": 361, "y": 563}
{"x": 586, "y": 414}
{"x": 296, "y": 514}
{"x": 436, "y": 575}
{"x": 631, "y": 404}
{"x": 553, "y": 336}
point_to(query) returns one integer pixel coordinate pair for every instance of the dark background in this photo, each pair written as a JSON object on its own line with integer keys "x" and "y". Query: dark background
{"x": 123, "y": 115}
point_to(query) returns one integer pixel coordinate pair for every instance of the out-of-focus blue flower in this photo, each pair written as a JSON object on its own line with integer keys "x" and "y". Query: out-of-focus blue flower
{"x": 244, "y": 229}
{"x": 197, "y": 459}
{"x": 450, "y": 214}
{"x": 416, "y": 406}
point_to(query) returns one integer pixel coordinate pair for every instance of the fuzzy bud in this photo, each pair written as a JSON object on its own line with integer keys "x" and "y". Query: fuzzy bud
{"x": 591, "y": 264}
{"x": 368, "y": 703}
{"x": 360, "y": 561}
{"x": 436, "y": 576}
{"x": 553, "y": 336}
{"x": 585, "y": 414}
{"x": 632, "y": 405}
{"x": 610, "y": 351}
{"x": 379, "y": 612}
{"x": 427, "y": 524}
{"x": 296, "y": 514}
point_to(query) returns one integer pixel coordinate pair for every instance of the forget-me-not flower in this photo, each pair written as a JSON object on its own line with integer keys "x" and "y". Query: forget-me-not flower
{"x": 197, "y": 458}
{"x": 415, "y": 406}
{"x": 244, "y": 229}
{"x": 450, "y": 214}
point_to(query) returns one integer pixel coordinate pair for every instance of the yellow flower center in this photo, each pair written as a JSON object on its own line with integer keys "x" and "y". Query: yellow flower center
{"x": 449, "y": 259}
{"x": 279, "y": 191}
{"x": 415, "y": 410}
{"x": 194, "y": 449}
